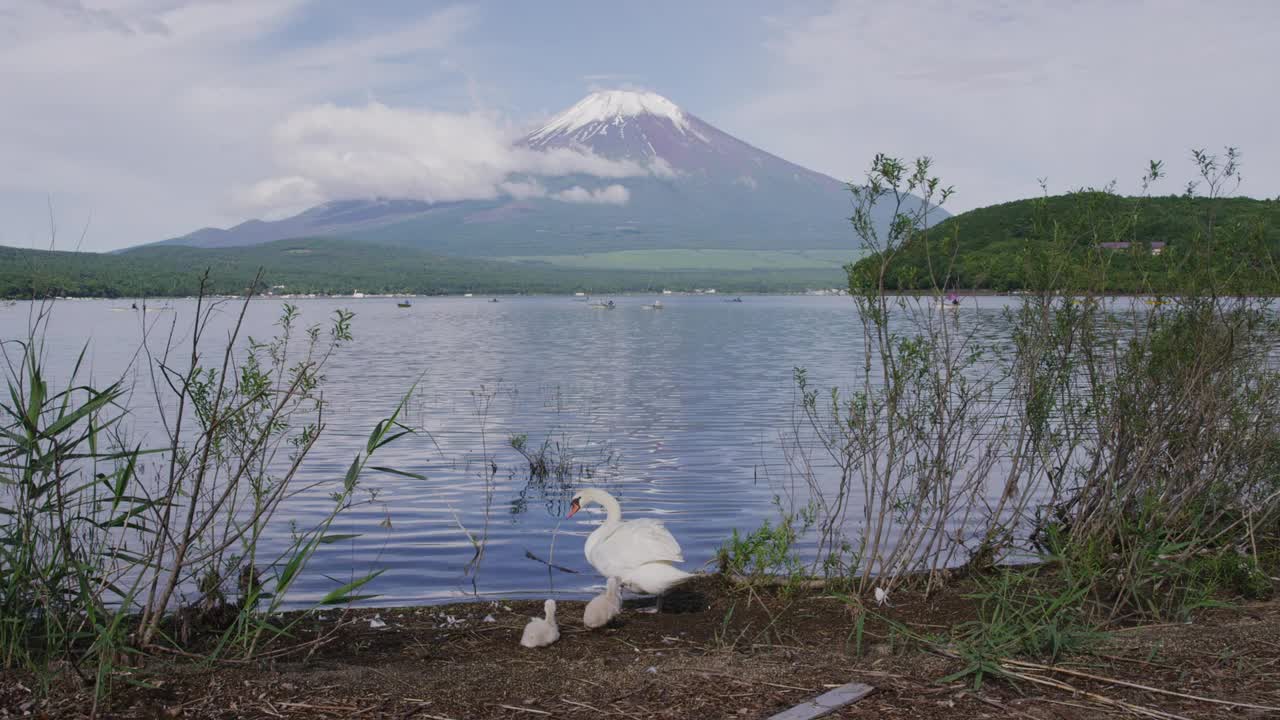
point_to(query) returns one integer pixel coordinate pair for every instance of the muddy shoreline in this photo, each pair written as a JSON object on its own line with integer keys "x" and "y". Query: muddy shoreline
{"x": 722, "y": 651}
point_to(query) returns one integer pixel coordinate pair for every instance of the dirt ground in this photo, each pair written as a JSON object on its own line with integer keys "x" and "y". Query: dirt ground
{"x": 720, "y": 652}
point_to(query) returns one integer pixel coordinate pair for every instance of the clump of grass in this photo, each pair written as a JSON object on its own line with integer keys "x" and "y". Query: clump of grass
{"x": 558, "y": 459}
{"x": 769, "y": 554}
{"x": 110, "y": 550}
{"x": 556, "y": 466}
{"x": 1233, "y": 572}
{"x": 1023, "y": 613}
{"x": 765, "y": 550}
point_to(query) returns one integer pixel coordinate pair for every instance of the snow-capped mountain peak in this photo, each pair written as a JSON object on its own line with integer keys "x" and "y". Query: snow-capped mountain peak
{"x": 613, "y": 107}
{"x": 595, "y": 113}
{"x": 647, "y": 129}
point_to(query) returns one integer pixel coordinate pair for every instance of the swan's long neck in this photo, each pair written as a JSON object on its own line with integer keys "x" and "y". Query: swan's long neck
{"x": 611, "y": 507}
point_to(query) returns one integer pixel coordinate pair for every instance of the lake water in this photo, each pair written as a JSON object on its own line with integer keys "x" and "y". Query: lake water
{"x": 679, "y": 413}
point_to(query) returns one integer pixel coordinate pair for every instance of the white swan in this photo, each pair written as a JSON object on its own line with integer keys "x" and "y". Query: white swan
{"x": 605, "y": 606}
{"x": 541, "y": 632}
{"x": 640, "y": 553}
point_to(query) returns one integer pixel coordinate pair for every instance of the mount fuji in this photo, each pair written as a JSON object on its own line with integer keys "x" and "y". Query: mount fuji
{"x": 686, "y": 185}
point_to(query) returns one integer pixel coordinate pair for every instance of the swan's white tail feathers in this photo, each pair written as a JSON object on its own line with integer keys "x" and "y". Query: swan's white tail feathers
{"x": 655, "y": 578}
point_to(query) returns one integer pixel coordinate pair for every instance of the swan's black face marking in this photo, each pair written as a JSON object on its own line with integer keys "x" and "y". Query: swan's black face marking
{"x": 574, "y": 506}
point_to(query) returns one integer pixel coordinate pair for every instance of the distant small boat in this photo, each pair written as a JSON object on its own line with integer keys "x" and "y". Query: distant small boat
{"x": 736, "y": 300}
{"x": 404, "y": 304}
{"x": 657, "y": 305}
{"x": 493, "y": 299}
{"x": 951, "y": 302}
{"x": 1155, "y": 301}
{"x": 604, "y": 305}
{"x": 466, "y": 295}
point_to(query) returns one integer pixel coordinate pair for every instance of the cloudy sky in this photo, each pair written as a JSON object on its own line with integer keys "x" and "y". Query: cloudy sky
{"x": 137, "y": 120}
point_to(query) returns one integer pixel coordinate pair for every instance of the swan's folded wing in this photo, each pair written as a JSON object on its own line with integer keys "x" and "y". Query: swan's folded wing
{"x": 650, "y": 541}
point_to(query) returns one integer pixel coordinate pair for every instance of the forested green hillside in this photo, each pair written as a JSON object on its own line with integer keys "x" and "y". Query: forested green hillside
{"x": 335, "y": 266}
{"x": 1013, "y": 245}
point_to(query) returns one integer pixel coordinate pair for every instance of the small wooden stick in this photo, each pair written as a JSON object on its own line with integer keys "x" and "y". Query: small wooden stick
{"x": 757, "y": 682}
{"x": 1113, "y": 681}
{"x": 1136, "y": 709}
{"x": 330, "y": 708}
{"x": 582, "y": 704}
{"x": 523, "y": 709}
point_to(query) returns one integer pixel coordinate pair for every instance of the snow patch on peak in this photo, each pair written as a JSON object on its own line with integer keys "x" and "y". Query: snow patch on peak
{"x": 613, "y": 107}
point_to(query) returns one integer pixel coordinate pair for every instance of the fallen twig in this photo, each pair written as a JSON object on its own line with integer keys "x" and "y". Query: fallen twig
{"x": 1147, "y": 627}
{"x": 522, "y": 709}
{"x": 1080, "y": 706}
{"x": 708, "y": 673}
{"x": 1138, "y": 686}
{"x": 1067, "y": 687}
{"x": 592, "y": 708}
{"x": 999, "y": 705}
{"x": 328, "y": 708}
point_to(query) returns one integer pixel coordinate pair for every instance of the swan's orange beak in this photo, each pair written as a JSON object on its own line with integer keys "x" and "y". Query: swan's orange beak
{"x": 574, "y": 507}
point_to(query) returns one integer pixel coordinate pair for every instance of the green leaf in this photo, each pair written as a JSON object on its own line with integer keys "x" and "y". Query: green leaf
{"x": 393, "y": 471}
{"x": 349, "y": 483}
{"x": 75, "y": 371}
{"x": 337, "y": 537}
{"x": 393, "y": 438}
{"x": 376, "y": 435}
{"x": 35, "y": 398}
{"x": 347, "y": 599}
{"x": 295, "y": 563}
{"x": 96, "y": 403}
{"x": 342, "y": 594}
{"x": 124, "y": 475}
{"x": 279, "y": 632}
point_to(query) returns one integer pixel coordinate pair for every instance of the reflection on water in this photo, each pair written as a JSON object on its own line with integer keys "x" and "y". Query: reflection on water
{"x": 679, "y": 413}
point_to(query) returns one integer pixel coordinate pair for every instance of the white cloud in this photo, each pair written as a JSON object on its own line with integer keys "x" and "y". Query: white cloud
{"x": 329, "y": 152}
{"x": 146, "y": 114}
{"x": 1002, "y": 93}
{"x": 611, "y": 195}
{"x": 280, "y": 196}
{"x": 523, "y": 190}
{"x": 661, "y": 168}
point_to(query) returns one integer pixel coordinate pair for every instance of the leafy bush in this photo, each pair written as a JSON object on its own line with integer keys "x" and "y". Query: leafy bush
{"x": 108, "y": 549}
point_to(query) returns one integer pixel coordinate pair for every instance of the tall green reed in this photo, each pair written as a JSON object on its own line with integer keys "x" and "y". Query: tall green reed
{"x": 110, "y": 550}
